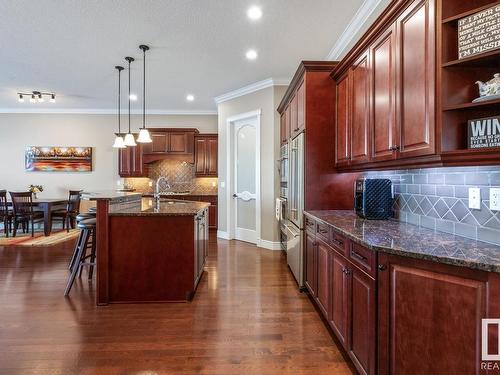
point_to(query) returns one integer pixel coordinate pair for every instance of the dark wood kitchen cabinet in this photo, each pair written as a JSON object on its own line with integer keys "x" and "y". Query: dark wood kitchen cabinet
{"x": 353, "y": 114}
{"x": 430, "y": 316}
{"x": 360, "y": 111}
{"x": 361, "y": 343}
{"x": 339, "y": 296}
{"x": 170, "y": 142}
{"x": 415, "y": 79}
{"x": 343, "y": 138}
{"x": 383, "y": 116}
{"x": 310, "y": 274}
{"x": 344, "y": 292}
{"x": 130, "y": 162}
{"x": 400, "y": 315}
{"x": 323, "y": 253}
{"x": 205, "y": 155}
{"x": 386, "y": 108}
{"x": 313, "y": 92}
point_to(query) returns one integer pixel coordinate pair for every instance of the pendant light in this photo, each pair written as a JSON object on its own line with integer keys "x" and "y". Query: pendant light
{"x": 129, "y": 137}
{"x": 144, "y": 136}
{"x": 119, "y": 138}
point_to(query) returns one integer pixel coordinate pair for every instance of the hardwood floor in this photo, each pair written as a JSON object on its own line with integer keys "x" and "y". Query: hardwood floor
{"x": 247, "y": 318}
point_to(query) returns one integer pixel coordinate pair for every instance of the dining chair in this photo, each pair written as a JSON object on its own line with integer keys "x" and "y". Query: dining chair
{"x": 5, "y": 214}
{"x": 23, "y": 213}
{"x": 68, "y": 215}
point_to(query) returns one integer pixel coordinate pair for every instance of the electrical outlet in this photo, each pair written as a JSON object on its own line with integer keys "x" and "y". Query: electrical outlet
{"x": 475, "y": 198}
{"x": 495, "y": 199}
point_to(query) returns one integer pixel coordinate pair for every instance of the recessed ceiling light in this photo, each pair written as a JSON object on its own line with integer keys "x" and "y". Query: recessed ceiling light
{"x": 133, "y": 97}
{"x": 254, "y": 13}
{"x": 190, "y": 98}
{"x": 251, "y": 54}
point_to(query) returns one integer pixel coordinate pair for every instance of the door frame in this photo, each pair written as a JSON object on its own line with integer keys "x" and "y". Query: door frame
{"x": 230, "y": 202}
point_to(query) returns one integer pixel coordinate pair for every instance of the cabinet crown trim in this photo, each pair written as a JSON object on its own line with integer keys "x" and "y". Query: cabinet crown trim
{"x": 304, "y": 66}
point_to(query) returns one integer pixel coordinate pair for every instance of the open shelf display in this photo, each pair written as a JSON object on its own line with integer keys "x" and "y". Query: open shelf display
{"x": 457, "y": 85}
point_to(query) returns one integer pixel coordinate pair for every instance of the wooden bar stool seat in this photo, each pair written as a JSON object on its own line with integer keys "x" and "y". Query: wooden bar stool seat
{"x": 86, "y": 241}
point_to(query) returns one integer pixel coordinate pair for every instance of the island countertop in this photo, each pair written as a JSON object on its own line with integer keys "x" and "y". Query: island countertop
{"x": 405, "y": 239}
{"x": 165, "y": 207}
{"x": 110, "y": 195}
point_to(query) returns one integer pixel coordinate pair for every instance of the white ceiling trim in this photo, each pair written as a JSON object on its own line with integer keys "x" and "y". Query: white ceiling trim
{"x": 107, "y": 111}
{"x": 353, "y": 28}
{"x": 245, "y": 90}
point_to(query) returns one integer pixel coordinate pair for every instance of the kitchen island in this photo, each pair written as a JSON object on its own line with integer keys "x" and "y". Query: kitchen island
{"x": 148, "y": 250}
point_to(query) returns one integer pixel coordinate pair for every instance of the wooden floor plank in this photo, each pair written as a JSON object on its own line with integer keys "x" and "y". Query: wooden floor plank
{"x": 247, "y": 318}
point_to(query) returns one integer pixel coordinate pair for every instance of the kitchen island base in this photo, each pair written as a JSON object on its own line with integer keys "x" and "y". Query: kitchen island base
{"x": 149, "y": 251}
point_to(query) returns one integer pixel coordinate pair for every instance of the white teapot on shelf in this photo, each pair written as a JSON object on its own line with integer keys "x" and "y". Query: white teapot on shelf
{"x": 489, "y": 88}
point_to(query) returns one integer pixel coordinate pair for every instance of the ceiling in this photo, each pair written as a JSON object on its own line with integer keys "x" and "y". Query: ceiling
{"x": 198, "y": 47}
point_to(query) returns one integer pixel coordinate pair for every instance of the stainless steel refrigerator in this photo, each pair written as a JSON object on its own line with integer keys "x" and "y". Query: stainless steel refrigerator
{"x": 295, "y": 229}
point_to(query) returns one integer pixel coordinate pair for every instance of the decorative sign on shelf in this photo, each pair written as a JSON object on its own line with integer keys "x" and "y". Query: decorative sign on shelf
{"x": 483, "y": 132}
{"x": 479, "y": 33}
{"x": 58, "y": 159}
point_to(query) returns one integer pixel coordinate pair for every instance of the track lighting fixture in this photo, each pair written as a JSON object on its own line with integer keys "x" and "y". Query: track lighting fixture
{"x": 36, "y": 96}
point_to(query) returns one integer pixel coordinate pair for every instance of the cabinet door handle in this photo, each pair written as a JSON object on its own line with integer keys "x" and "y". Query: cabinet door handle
{"x": 395, "y": 148}
{"x": 382, "y": 267}
{"x": 346, "y": 271}
{"x": 338, "y": 242}
{"x": 359, "y": 256}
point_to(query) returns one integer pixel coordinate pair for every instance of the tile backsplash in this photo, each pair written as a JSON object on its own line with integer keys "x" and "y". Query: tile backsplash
{"x": 180, "y": 176}
{"x": 437, "y": 198}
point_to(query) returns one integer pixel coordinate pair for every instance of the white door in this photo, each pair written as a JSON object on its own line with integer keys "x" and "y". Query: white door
{"x": 245, "y": 170}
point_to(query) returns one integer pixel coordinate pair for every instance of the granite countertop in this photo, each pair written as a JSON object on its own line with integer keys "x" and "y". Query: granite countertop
{"x": 111, "y": 195}
{"x": 405, "y": 239}
{"x": 150, "y": 194}
{"x": 165, "y": 207}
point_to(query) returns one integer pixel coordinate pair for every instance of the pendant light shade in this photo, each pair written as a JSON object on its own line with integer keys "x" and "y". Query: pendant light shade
{"x": 129, "y": 140}
{"x": 144, "y": 136}
{"x": 119, "y": 138}
{"x": 119, "y": 143}
{"x": 129, "y": 137}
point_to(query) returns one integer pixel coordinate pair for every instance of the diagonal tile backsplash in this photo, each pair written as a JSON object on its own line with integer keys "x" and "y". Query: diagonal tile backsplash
{"x": 437, "y": 198}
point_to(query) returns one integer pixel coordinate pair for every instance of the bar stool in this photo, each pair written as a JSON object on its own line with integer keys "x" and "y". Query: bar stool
{"x": 87, "y": 241}
{"x": 79, "y": 217}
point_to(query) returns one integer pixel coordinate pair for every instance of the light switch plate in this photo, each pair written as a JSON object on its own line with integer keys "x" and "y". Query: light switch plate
{"x": 495, "y": 199}
{"x": 475, "y": 198}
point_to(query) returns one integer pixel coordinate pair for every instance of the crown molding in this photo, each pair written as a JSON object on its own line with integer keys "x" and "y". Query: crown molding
{"x": 84, "y": 111}
{"x": 352, "y": 30}
{"x": 245, "y": 90}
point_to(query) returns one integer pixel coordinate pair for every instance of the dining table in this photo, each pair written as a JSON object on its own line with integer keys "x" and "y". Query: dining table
{"x": 47, "y": 206}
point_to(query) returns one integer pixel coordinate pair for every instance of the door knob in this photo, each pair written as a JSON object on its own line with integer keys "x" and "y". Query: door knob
{"x": 235, "y": 195}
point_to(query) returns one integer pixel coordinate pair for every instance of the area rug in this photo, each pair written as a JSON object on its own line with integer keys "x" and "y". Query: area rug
{"x": 25, "y": 239}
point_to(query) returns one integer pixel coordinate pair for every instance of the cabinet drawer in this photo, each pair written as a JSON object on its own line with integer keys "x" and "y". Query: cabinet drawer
{"x": 323, "y": 232}
{"x": 340, "y": 243}
{"x": 364, "y": 258}
{"x": 310, "y": 224}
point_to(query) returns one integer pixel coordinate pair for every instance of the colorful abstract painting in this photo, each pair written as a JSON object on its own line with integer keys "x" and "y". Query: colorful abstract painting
{"x": 58, "y": 159}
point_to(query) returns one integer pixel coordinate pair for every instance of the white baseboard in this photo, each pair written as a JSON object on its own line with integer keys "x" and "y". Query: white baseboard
{"x": 222, "y": 234}
{"x": 270, "y": 245}
{"x": 265, "y": 244}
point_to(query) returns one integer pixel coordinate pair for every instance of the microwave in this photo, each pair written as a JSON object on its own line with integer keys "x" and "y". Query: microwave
{"x": 373, "y": 198}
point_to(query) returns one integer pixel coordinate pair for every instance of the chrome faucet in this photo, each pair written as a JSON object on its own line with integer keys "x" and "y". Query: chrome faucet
{"x": 157, "y": 193}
